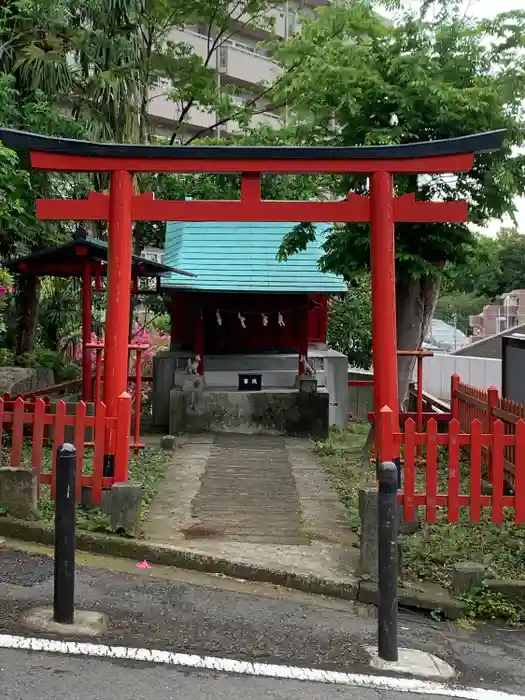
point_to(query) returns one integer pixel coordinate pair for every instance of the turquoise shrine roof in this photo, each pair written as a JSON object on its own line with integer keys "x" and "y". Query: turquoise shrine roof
{"x": 240, "y": 257}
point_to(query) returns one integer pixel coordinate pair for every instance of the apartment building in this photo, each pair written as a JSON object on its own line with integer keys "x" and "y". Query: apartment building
{"x": 241, "y": 61}
{"x": 507, "y": 312}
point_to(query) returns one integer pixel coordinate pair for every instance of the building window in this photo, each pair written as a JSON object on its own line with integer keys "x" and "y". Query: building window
{"x": 159, "y": 81}
{"x": 223, "y": 59}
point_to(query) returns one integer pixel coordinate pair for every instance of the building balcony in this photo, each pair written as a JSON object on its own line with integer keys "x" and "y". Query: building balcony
{"x": 165, "y": 112}
{"x": 242, "y": 62}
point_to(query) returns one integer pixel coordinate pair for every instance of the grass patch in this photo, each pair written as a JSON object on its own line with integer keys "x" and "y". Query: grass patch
{"x": 342, "y": 457}
{"x": 430, "y": 553}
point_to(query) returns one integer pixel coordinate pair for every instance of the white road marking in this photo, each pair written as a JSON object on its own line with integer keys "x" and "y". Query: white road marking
{"x": 248, "y": 668}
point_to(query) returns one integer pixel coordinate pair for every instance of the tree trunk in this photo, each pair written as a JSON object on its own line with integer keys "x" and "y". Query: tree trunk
{"x": 27, "y": 297}
{"x": 416, "y": 302}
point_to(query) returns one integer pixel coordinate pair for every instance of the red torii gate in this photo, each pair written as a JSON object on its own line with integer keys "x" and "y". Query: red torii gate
{"x": 382, "y": 209}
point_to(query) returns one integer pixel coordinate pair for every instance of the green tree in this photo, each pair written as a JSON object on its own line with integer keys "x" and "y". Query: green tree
{"x": 479, "y": 273}
{"x": 457, "y": 307}
{"x": 511, "y": 260}
{"x": 350, "y": 324}
{"x": 360, "y": 81}
{"x": 103, "y": 58}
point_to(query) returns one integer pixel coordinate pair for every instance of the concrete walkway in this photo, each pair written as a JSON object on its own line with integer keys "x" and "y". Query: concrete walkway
{"x": 254, "y": 499}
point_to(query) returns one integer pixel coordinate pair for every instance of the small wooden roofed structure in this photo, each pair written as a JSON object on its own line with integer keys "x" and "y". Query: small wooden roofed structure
{"x": 70, "y": 260}
{"x": 86, "y": 257}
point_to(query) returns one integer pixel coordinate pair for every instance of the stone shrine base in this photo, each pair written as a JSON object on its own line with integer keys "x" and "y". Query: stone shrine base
{"x": 266, "y": 412}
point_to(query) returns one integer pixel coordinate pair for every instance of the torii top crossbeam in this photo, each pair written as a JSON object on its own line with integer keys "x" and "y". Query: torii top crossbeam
{"x": 382, "y": 209}
{"x": 50, "y": 153}
{"x": 57, "y": 154}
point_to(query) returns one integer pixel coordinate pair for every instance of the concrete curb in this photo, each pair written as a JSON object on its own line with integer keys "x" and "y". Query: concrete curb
{"x": 165, "y": 555}
{"x": 416, "y": 599}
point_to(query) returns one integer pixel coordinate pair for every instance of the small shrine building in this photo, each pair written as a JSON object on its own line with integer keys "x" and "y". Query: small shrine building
{"x": 244, "y": 312}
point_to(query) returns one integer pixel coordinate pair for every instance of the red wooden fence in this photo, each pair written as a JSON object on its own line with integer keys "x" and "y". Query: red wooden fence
{"x": 469, "y": 403}
{"x": 19, "y": 415}
{"x": 456, "y": 493}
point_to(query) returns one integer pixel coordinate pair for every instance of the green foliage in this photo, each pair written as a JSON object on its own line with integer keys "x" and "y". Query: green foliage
{"x": 350, "y": 324}
{"x": 7, "y": 358}
{"x": 162, "y": 323}
{"x": 484, "y": 604}
{"x": 511, "y": 260}
{"x": 63, "y": 370}
{"x": 480, "y": 272}
{"x": 342, "y": 457}
{"x": 493, "y": 266}
{"x": 457, "y": 307}
{"x": 419, "y": 79}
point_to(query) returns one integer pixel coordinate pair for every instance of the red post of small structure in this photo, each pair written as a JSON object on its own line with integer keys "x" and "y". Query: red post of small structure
{"x": 119, "y": 285}
{"x": 138, "y": 397}
{"x": 87, "y": 382}
{"x": 139, "y": 349}
{"x": 382, "y": 263}
{"x": 99, "y": 349}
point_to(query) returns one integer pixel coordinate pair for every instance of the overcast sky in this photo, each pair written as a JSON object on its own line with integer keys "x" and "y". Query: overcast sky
{"x": 489, "y": 8}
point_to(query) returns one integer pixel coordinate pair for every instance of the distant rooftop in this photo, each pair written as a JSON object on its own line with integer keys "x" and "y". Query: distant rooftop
{"x": 443, "y": 336}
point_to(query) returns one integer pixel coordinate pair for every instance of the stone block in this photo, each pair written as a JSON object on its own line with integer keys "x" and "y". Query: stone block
{"x": 306, "y": 383}
{"x": 126, "y": 502}
{"x": 368, "y": 543}
{"x": 164, "y": 365}
{"x": 194, "y": 382}
{"x": 168, "y": 442}
{"x": 18, "y": 492}
{"x": 467, "y": 575}
{"x": 368, "y": 550}
{"x": 23, "y": 380}
{"x": 419, "y": 598}
{"x": 511, "y": 589}
{"x": 250, "y": 412}
{"x": 86, "y": 623}
{"x": 336, "y": 380}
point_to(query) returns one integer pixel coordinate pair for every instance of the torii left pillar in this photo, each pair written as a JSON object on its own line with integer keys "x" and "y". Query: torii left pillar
{"x": 120, "y": 250}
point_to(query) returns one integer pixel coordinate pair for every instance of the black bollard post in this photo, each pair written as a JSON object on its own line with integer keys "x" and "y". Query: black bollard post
{"x": 65, "y": 525}
{"x": 387, "y": 532}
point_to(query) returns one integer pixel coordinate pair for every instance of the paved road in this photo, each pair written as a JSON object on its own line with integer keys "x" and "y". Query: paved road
{"x": 182, "y": 611}
{"x": 25, "y": 676}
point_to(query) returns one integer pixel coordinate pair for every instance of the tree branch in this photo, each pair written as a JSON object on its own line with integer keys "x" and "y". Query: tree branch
{"x": 228, "y": 119}
{"x": 218, "y": 41}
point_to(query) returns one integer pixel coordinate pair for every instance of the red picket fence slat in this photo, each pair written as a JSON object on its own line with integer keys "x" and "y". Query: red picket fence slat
{"x": 453, "y": 471}
{"x": 475, "y": 473}
{"x": 432, "y": 470}
{"x": 19, "y": 416}
{"x": 448, "y": 448}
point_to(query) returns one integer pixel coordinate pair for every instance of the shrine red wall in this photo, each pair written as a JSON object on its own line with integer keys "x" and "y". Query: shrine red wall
{"x": 304, "y": 316}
